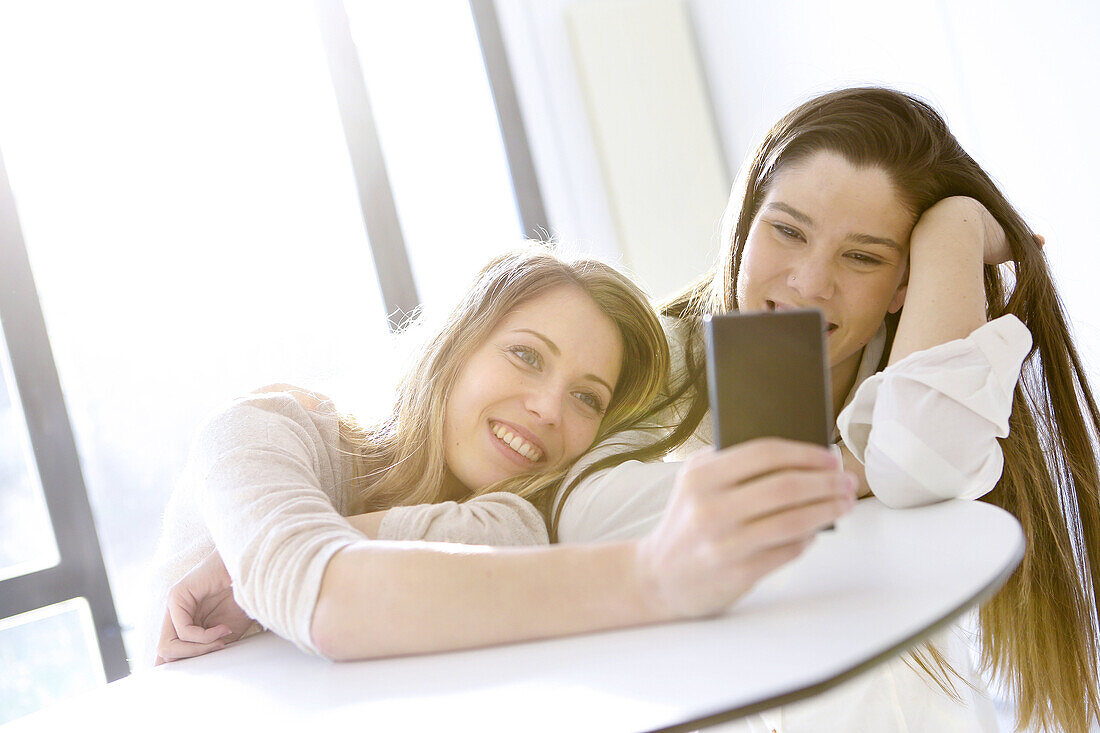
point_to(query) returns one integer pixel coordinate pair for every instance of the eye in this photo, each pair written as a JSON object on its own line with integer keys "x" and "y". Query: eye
{"x": 527, "y": 355}
{"x": 864, "y": 259}
{"x": 591, "y": 400}
{"x": 787, "y": 232}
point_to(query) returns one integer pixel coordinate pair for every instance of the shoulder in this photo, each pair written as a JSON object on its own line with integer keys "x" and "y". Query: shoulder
{"x": 308, "y": 399}
{"x": 271, "y": 416}
{"x": 623, "y": 502}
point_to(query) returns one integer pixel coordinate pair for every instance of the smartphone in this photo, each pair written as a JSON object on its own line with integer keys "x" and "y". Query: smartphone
{"x": 766, "y": 374}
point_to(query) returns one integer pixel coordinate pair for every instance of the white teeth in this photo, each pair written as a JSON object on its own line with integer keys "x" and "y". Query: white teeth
{"x": 517, "y": 443}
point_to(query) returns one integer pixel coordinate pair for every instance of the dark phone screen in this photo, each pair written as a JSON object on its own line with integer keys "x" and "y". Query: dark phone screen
{"x": 766, "y": 375}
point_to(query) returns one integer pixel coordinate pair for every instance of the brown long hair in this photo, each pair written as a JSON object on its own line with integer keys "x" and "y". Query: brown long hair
{"x": 399, "y": 459}
{"x": 1038, "y": 635}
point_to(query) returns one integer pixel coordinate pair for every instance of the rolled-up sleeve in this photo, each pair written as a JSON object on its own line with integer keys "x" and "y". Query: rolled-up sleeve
{"x": 926, "y": 428}
{"x": 499, "y": 519}
{"x": 275, "y": 527}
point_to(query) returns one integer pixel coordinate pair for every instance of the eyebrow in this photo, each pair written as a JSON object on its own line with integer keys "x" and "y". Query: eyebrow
{"x": 557, "y": 352}
{"x": 855, "y": 237}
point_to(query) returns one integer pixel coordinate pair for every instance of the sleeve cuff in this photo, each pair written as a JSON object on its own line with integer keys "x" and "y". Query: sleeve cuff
{"x": 496, "y": 519}
{"x": 978, "y": 372}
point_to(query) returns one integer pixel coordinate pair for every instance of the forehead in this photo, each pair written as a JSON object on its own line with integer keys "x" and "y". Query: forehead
{"x": 553, "y": 306}
{"x": 839, "y": 196}
{"x": 567, "y": 315}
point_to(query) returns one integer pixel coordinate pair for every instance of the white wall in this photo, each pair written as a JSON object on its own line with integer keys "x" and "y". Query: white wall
{"x": 1015, "y": 80}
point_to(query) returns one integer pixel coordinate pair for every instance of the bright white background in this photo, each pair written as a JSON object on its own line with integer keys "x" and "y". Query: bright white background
{"x": 189, "y": 209}
{"x": 1015, "y": 79}
{"x": 192, "y": 221}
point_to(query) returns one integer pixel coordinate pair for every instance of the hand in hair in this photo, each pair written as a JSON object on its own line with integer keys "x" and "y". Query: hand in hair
{"x": 202, "y": 616}
{"x": 734, "y": 516}
{"x": 947, "y": 216}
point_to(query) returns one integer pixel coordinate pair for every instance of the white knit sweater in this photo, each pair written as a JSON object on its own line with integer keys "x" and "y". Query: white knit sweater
{"x": 267, "y": 485}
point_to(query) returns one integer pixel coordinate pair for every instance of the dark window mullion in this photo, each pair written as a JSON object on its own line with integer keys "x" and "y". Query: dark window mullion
{"x": 525, "y": 181}
{"x": 387, "y": 243}
{"x": 80, "y": 571}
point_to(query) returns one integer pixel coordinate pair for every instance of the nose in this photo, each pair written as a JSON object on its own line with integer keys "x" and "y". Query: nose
{"x": 812, "y": 278}
{"x": 545, "y": 402}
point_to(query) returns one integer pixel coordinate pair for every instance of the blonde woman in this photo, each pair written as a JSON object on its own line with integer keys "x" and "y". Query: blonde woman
{"x": 288, "y": 514}
{"x": 861, "y": 203}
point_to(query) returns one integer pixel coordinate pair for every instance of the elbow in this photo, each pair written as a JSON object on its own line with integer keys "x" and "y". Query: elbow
{"x": 343, "y": 626}
{"x": 322, "y": 632}
{"x": 325, "y": 632}
{"x": 933, "y": 482}
{"x": 898, "y": 488}
{"x": 338, "y": 626}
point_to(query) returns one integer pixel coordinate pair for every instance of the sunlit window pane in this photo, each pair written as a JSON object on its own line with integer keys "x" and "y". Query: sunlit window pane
{"x": 47, "y": 655}
{"x": 26, "y": 538}
{"x": 193, "y": 227}
{"x": 440, "y": 138}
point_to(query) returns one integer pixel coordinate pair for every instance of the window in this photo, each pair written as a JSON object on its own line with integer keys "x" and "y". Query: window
{"x": 194, "y": 228}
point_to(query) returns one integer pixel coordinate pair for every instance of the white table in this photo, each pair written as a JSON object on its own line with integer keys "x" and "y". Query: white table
{"x": 878, "y": 584}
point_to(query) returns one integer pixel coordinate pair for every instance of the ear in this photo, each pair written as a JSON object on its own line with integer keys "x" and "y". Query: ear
{"x": 899, "y": 298}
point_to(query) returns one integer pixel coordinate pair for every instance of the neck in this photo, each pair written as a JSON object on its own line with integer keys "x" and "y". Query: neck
{"x": 452, "y": 489}
{"x": 843, "y": 376}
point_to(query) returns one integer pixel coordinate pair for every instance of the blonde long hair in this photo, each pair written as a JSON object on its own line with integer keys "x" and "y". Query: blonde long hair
{"x": 1038, "y": 635}
{"x": 399, "y": 459}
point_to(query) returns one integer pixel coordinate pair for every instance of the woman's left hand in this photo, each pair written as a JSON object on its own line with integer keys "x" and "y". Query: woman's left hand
{"x": 202, "y": 615}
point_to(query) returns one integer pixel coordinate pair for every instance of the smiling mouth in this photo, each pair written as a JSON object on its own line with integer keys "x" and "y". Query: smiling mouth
{"x": 773, "y": 306}
{"x": 516, "y": 443}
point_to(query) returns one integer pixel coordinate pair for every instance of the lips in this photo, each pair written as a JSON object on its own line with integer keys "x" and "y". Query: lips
{"x": 776, "y": 306}
{"x": 510, "y": 436}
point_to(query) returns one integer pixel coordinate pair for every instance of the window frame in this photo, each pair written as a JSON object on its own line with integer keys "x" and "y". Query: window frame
{"x": 80, "y": 571}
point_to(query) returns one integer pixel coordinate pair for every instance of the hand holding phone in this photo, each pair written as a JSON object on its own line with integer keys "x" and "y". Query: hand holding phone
{"x": 767, "y": 377}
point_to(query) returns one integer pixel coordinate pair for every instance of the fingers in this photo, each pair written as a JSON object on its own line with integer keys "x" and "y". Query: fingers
{"x": 791, "y": 526}
{"x": 765, "y": 561}
{"x": 738, "y": 464}
{"x": 185, "y": 628}
{"x": 175, "y": 650}
{"x": 170, "y": 647}
{"x": 736, "y": 515}
{"x": 782, "y": 491}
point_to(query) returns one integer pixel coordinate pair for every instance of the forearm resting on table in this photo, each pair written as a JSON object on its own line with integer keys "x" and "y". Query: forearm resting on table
{"x": 382, "y": 599}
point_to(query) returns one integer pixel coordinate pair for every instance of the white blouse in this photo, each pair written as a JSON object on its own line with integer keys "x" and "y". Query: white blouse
{"x": 926, "y": 429}
{"x": 937, "y": 415}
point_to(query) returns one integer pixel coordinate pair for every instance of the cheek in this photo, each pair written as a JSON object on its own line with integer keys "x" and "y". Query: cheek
{"x": 744, "y": 281}
{"x": 461, "y": 403}
{"x": 870, "y": 308}
{"x": 752, "y": 270}
{"x": 884, "y": 294}
{"x": 579, "y": 438}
